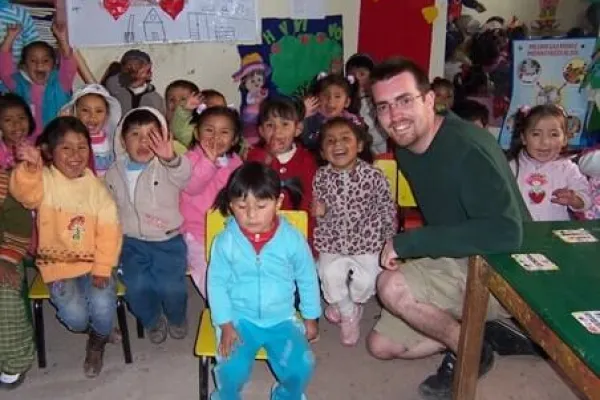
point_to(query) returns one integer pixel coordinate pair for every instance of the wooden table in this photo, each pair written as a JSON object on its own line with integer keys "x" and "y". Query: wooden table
{"x": 541, "y": 301}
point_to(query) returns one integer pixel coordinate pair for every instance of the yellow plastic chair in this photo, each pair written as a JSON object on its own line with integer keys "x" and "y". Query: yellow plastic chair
{"x": 390, "y": 170}
{"x": 405, "y": 194}
{"x": 206, "y": 342}
{"x": 38, "y": 292}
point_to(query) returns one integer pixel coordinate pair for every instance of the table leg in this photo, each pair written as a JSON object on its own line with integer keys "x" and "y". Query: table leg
{"x": 471, "y": 333}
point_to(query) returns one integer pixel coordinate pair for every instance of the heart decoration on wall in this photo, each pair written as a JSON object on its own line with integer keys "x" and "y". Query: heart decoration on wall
{"x": 116, "y": 8}
{"x": 172, "y": 7}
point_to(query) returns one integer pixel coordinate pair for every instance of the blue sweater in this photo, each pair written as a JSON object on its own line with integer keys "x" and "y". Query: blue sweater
{"x": 260, "y": 288}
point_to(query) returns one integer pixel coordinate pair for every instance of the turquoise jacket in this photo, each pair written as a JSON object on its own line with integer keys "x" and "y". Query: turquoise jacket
{"x": 260, "y": 288}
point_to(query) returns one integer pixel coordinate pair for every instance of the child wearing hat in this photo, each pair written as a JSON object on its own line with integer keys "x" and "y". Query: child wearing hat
{"x": 131, "y": 84}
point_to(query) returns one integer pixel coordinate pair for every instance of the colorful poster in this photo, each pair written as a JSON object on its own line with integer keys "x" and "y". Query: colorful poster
{"x": 550, "y": 71}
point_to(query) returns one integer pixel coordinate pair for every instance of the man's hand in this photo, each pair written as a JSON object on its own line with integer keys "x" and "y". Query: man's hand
{"x": 389, "y": 258}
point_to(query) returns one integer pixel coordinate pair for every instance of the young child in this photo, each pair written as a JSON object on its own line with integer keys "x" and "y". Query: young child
{"x": 256, "y": 263}
{"x": 474, "y": 111}
{"x": 213, "y": 159}
{"x": 550, "y": 184}
{"x": 78, "y": 232}
{"x": 360, "y": 66}
{"x": 43, "y": 81}
{"x": 177, "y": 93}
{"x": 100, "y": 113}
{"x": 16, "y": 125}
{"x": 181, "y": 121}
{"x": 355, "y": 214}
{"x": 589, "y": 164}
{"x": 131, "y": 84}
{"x": 16, "y": 335}
{"x": 444, "y": 94}
{"x": 335, "y": 94}
{"x": 146, "y": 181}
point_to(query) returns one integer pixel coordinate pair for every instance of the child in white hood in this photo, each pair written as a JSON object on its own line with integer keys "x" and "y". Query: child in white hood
{"x": 100, "y": 113}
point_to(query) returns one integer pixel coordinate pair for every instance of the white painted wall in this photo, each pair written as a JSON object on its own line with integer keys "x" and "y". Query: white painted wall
{"x": 210, "y": 65}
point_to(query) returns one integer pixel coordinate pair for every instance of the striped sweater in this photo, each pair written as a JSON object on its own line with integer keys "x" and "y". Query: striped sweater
{"x": 77, "y": 222}
{"x": 15, "y": 226}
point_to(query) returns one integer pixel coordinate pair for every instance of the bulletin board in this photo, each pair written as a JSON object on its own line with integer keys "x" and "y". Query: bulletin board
{"x": 126, "y": 22}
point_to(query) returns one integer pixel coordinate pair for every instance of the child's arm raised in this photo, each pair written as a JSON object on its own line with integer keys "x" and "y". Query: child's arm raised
{"x": 180, "y": 123}
{"x": 27, "y": 181}
{"x": 179, "y": 169}
{"x": 7, "y": 65}
{"x": 68, "y": 65}
{"x": 108, "y": 238}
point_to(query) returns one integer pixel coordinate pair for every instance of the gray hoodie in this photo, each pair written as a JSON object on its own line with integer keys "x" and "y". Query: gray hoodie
{"x": 153, "y": 213}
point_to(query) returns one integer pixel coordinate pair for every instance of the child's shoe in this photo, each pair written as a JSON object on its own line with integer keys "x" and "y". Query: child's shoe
{"x": 158, "y": 334}
{"x": 332, "y": 313}
{"x": 350, "y": 332}
{"x": 94, "y": 354}
{"x": 178, "y": 331}
{"x": 11, "y": 382}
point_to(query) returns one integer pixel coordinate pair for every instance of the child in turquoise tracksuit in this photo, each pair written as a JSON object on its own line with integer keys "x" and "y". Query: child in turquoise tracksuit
{"x": 255, "y": 265}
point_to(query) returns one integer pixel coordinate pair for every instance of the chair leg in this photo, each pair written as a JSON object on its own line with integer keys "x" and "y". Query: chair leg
{"x": 40, "y": 341}
{"x": 204, "y": 376}
{"x": 122, "y": 318}
{"x": 140, "y": 328}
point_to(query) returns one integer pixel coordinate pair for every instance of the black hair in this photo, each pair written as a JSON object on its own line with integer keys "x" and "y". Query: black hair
{"x": 114, "y": 68}
{"x": 496, "y": 18}
{"x": 220, "y": 111}
{"x": 487, "y": 46}
{"x": 471, "y": 110}
{"x": 472, "y": 81}
{"x": 183, "y": 84}
{"x": 97, "y": 95}
{"x": 258, "y": 179}
{"x": 360, "y": 132}
{"x": 442, "y": 83}
{"x": 206, "y": 93}
{"x": 11, "y": 100}
{"x": 360, "y": 60}
{"x": 575, "y": 32}
{"x": 351, "y": 89}
{"x": 281, "y": 107}
{"x": 56, "y": 130}
{"x": 38, "y": 45}
{"x": 139, "y": 117}
{"x": 398, "y": 65}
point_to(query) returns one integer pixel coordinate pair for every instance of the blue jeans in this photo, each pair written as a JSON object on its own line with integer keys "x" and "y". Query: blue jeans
{"x": 289, "y": 356}
{"x": 154, "y": 274}
{"x": 80, "y": 305}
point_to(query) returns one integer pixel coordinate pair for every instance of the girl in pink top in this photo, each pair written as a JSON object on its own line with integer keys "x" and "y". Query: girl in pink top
{"x": 43, "y": 82}
{"x": 213, "y": 157}
{"x": 551, "y": 184}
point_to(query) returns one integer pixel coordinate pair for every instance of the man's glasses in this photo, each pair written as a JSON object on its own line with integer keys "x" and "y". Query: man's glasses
{"x": 404, "y": 102}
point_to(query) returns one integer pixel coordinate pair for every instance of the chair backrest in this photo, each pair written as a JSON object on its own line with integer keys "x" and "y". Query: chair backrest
{"x": 389, "y": 169}
{"x": 405, "y": 194}
{"x": 215, "y": 222}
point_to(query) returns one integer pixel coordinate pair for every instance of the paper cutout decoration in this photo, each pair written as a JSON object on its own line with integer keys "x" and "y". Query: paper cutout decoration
{"x": 172, "y": 7}
{"x": 116, "y": 8}
{"x": 430, "y": 13}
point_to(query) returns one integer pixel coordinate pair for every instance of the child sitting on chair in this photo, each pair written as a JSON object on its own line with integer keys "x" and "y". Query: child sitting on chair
{"x": 256, "y": 264}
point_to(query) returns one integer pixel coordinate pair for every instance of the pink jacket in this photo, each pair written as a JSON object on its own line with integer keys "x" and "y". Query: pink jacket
{"x": 201, "y": 191}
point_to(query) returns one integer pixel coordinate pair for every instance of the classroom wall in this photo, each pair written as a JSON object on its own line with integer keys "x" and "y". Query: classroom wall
{"x": 210, "y": 65}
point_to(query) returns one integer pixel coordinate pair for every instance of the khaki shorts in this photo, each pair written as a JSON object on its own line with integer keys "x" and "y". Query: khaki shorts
{"x": 440, "y": 282}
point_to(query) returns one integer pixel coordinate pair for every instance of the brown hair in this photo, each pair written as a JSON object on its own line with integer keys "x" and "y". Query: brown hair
{"x": 396, "y": 66}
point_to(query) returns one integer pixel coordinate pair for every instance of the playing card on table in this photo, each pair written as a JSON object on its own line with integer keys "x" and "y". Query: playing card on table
{"x": 535, "y": 262}
{"x": 576, "y": 236}
{"x": 589, "y": 319}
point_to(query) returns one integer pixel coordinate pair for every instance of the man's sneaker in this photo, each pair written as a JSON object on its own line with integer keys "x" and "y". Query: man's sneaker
{"x": 439, "y": 386}
{"x": 158, "y": 333}
{"x": 508, "y": 340}
{"x": 178, "y": 331}
{"x": 350, "y": 327}
{"x": 332, "y": 313}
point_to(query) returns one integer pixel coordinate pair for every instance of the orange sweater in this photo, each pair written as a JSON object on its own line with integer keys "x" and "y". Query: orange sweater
{"x": 77, "y": 222}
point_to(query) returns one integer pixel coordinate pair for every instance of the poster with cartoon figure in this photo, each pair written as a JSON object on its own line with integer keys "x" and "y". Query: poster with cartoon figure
{"x": 550, "y": 71}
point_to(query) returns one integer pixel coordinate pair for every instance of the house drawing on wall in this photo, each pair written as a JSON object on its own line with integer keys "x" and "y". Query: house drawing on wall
{"x": 154, "y": 29}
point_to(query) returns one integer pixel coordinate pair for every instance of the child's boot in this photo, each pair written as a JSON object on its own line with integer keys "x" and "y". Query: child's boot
{"x": 94, "y": 354}
{"x": 332, "y": 313}
{"x": 350, "y": 327}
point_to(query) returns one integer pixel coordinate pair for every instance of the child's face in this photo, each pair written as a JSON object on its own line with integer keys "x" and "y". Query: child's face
{"x": 217, "y": 133}
{"x": 175, "y": 97}
{"x": 14, "y": 125}
{"x": 38, "y": 65}
{"x": 444, "y": 99}
{"x": 255, "y": 215}
{"x": 341, "y": 147}
{"x": 215, "y": 101}
{"x": 71, "y": 155}
{"x": 92, "y": 111}
{"x": 362, "y": 75}
{"x": 333, "y": 101}
{"x": 279, "y": 134}
{"x": 545, "y": 140}
{"x": 137, "y": 142}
